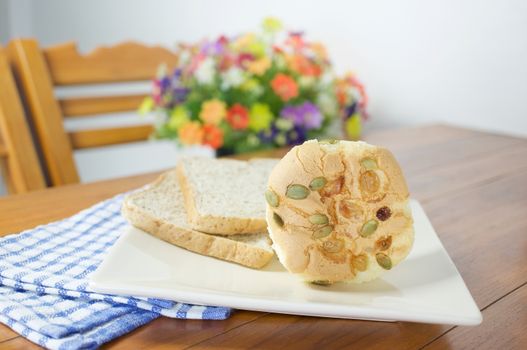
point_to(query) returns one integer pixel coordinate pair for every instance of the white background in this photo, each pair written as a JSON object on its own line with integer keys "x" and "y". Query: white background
{"x": 463, "y": 62}
{"x": 460, "y": 62}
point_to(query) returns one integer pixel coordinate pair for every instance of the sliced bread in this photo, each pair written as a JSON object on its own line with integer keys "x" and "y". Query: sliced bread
{"x": 225, "y": 196}
{"x": 159, "y": 210}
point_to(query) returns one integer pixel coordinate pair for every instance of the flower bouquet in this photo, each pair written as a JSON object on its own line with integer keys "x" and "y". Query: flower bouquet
{"x": 254, "y": 92}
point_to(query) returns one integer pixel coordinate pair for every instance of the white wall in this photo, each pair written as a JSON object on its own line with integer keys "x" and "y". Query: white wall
{"x": 4, "y": 24}
{"x": 461, "y": 62}
{"x": 15, "y": 19}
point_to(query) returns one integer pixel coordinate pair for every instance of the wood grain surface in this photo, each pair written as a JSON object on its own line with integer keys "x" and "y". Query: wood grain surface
{"x": 473, "y": 186}
{"x": 23, "y": 169}
{"x": 127, "y": 61}
{"x": 31, "y": 69}
{"x": 112, "y": 136}
{"x": 82, "y": 106}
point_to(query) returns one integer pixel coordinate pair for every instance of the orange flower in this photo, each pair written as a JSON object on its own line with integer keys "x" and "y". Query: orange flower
{"x": 212, "y": 111}
{"x": 238, "y": 117}
{"x": 302, "y": 65}
{"x": 260, "y": 66}
{"x": 213, "y": 136}
{"x": 191, "y": 133}
{"x": 284, "y": 86}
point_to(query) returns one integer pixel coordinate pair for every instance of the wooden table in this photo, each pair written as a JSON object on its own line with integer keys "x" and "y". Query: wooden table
{"x": 473, "y": 185}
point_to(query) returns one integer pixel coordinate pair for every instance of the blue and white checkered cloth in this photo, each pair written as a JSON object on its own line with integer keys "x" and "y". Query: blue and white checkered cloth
{"x": 44, "y": 292}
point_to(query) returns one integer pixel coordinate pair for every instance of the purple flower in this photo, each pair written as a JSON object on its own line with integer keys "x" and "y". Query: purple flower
{"x": 177, "y": 74}
{"x": 350, "y": 110}
{"x": 306, "y": 115}
{"x": 177, "y": 91}
{"x": 206, "y": 47}
{"x": 311, "y": 115}
{"x": 164, "y": 84}
{"x": 267, "y": 136}
{"x": 292, "y": 113}
{"x": 295, "y": 136}
{"x": 179, "y": 94}
{"x": 213, "y": 48}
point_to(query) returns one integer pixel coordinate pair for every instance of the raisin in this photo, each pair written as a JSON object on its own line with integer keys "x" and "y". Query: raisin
{"x": 384, "y": 213}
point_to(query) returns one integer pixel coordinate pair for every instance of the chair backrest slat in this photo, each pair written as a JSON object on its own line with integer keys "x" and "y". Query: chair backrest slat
{"x": 43, "y": 69}
{"x": 20, "y": 160}
{"x": 31, "y": 68}
{"x": 78, "y": 107}
{"x": 97, "y": 138}
{"x": 123, "y": 62}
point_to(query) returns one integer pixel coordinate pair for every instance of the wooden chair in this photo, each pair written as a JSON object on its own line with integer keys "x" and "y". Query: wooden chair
{"x": 20, "y": 165}
{"x": 40, "y": 70}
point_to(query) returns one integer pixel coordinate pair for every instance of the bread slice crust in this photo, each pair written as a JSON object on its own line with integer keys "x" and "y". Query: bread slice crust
{"x": 229, "y": 249}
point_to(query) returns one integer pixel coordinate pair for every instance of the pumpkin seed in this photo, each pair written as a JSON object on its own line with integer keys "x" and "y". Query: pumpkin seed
{"x": 317, "y": 183}
{"x": 369, "y": 228}
{"x": 323, "y": 232}
{"x": 296, "y": 191}
{"x": 321, "y": 282}
{"x": 278, "y": 220}
{"x": 272, "y": 198}
{"x": 384, "y": 261}
{"x": 318, "y": 219}
{"x": 368, "y": 163}
{"x": 329, "y": 142}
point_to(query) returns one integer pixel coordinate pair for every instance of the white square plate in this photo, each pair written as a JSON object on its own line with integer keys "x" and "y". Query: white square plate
{"x": 426, "y": 287}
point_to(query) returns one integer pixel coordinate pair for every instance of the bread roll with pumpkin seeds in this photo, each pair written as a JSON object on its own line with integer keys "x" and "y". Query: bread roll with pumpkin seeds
{"x": 339, "y": 211}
